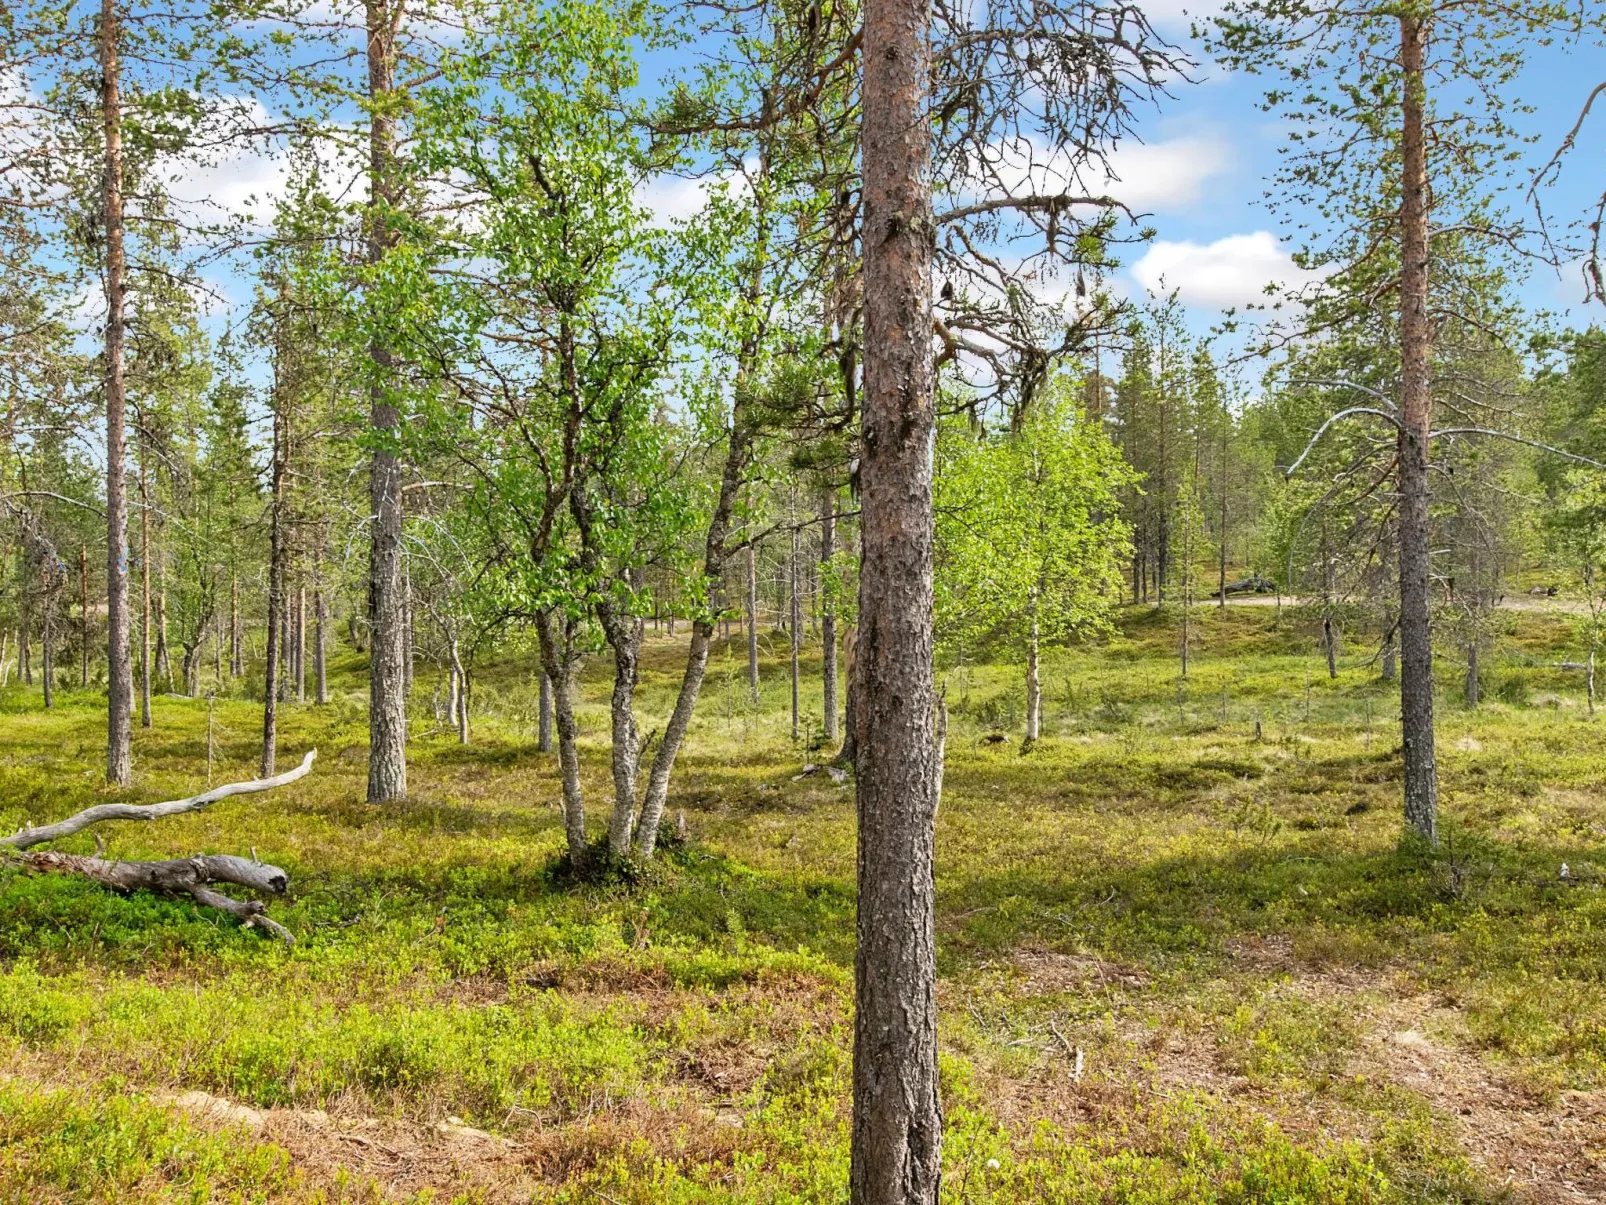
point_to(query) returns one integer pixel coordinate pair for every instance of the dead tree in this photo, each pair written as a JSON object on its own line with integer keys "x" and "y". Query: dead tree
{"x": 191, "y": 877}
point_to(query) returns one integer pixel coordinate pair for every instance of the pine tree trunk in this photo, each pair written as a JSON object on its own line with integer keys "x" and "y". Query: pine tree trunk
{"x": 850, "y": 709}
{"x": 1330, "y": 645}
{"x": 828, "y": 618}
{"x": 144, "y": 594}
{"x": 1472, "y": 689}
{"x": 320, "y": 645}
{"x": 387, "y": 673}
{"x": 896, "y": 1153}
{"x": 276, "y": 558}
{"x": 301, "y": 644}
{"x": 1416, "y": 348}
{"x": 119, "y": 664}
{"x": 752, "y": 622}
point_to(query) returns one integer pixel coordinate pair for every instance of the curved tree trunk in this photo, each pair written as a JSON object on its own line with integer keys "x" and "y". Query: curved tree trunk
{"x": 557, "y": 654}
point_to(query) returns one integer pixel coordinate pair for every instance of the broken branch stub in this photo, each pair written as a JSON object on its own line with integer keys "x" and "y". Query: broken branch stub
{"x": 179, "y": 877}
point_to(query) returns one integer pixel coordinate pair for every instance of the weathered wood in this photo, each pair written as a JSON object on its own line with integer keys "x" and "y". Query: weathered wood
{"x": 178, "y": 877}
{"x": 27, "y": 838}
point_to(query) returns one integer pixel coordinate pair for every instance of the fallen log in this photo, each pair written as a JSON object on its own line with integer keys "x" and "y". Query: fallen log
{"x": 28, "y": 836}
{"x": 179, "y": 877}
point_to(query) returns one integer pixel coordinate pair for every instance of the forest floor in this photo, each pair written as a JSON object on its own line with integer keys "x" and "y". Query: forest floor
{"x": 1179, "y": 963}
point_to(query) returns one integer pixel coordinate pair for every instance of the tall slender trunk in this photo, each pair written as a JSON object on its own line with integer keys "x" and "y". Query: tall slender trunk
{"x": 387, "y": 673}
{"x": 164, "y": 660}
{"x": 47, "y": 637}
{"x": 119, "y": 666}
{"x": 1589, "y": 680}
{"x": 1330, "y": 645}
{"x": 276, "y": 559}
{"x": 236, "y": 653}
{"x": 460, "y": 693}
{"x": 320, "y": 648}
{"x": 301, "y": 644}
{"x": 1416, "y": 412}
{"x": 1034, "y": 686}
{"x": 83, "y": 614}
{"x": 828, "y": 616}
{"x": 846, "y": 755}
{"x": 144, "y": 592}
{"x": 794, "y": 628}
{"x": 896, "y": 1156}
{"x": 752, "y": 623}
{"x": 544, "y": 719}
{"x": 453, "y": 691}
{"x": 557, "y": 655}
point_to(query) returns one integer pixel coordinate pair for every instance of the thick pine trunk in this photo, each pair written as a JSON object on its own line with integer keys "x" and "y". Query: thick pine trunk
{"x": 119, "y": 666}
{"x": 1416, "y": 347}
{"x": 828, "y": 617}
{"x": 896, "y": 1154}
{"x": 387, "y": 670}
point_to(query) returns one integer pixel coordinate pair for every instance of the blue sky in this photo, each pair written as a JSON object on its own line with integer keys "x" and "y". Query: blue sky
{"x": 1212, "y": 151}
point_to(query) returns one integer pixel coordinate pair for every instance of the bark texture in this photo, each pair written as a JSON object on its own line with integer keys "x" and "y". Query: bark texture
{"x": 1416, "y": 406}
{"x": 557, "y": 655}
{"x": 897, "y": 1117}
{"x": 387, "y": 672}
{"x": 828, "y": 684}
{"x": 119, "y": 666}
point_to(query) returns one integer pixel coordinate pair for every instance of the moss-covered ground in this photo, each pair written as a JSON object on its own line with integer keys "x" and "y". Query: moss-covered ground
{"x": 1180, "y": 961}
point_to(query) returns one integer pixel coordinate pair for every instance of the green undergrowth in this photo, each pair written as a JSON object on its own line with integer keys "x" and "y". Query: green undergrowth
{"x": 1199, "y": 884}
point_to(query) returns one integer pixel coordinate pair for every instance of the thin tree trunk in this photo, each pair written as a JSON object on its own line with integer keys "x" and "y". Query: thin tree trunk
{"x": 1589, "y": 680}
{"x": 795, "y": 626}
{"x": 320, "y": 645}
{"x": 301, "y": 644}
{"x": 544, "y": 721}
{"x": 828, "y": 617}
{"x": 144, "y": 593}
{"x": 1472, "y": 673}
{"x": 46, "y": 635}
{"x": 557, "y": 654}
{"x": 453, "y": 690}
{"x": 624, "y": 637}
{"x": 1330, "y": 645}
{"x": 1416, "y": 347}
{"x": 752, "y": 623}
{"x": 236, "y": 654}
{"x": 387, "y": 674}
{"x": 1034, "y": 687}
{"x": 164, "y": 660}
{"x": 896, "y": 1151}
{"x": 459, "y": 694}
{"x": 276, "y": 558}
{"x": 119, "y": 666}
{"x": 83, "y": 614}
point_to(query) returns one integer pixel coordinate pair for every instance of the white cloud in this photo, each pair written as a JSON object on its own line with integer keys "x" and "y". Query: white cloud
{"x": 1175, "y": 16}
{"x": 1232, "y": 271}
{"x": 1144, "y": 176}
{"x": 1167, "y": 175}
